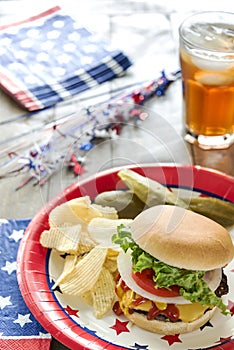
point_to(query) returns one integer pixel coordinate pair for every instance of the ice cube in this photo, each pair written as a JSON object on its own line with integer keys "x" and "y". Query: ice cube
{"x": 216, "y": 79}
{"x": 212, "y": 65}
{"x": 216, "y": 36}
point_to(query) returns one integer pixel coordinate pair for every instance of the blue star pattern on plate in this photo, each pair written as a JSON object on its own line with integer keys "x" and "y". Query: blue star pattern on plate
{"x": 50, "y": 57}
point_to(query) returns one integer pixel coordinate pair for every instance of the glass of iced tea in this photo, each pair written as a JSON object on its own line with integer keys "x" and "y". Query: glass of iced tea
{"x": 207, "y": 64}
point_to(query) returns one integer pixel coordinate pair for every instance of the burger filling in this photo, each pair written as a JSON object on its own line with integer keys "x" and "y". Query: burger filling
{"x": 130, "y": 302}
{"x": 189, "y": 284}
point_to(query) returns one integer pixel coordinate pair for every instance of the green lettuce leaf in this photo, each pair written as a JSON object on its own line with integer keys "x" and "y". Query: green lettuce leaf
{"x": 193, "y": 287}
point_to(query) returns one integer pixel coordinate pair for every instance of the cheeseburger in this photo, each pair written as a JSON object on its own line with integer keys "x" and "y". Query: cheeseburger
{"x": 171, "y": 277}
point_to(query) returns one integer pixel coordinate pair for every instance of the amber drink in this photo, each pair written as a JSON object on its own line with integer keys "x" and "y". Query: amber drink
{"x": 207, "y": 64}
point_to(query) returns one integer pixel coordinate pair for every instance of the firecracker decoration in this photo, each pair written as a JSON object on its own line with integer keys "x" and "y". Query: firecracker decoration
{"x": 67, "y": 141}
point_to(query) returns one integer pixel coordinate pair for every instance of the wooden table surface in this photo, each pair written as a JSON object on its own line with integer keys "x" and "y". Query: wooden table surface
{"x": 147, "y": 32}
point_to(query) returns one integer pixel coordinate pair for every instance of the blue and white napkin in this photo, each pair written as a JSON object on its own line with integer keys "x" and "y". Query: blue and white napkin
{"x": 50, "y": 57}
{"x": 18, "y": 327}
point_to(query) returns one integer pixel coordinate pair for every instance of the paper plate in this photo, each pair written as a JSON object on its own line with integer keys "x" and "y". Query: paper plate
{"x": 72, "y": 322}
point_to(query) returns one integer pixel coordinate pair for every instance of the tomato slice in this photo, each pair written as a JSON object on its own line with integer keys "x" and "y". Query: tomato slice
{"x": 144, "y": 279}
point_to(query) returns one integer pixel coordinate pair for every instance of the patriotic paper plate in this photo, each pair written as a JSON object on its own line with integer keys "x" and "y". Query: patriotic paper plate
{"x": 72, "y": 322}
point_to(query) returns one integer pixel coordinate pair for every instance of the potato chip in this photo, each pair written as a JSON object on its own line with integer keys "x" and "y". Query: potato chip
{"x": 113, "y": 253}
{"x": 64, "y": 239}
{"x": 86, "y": 243}
{"x": 83, "y": 209}
{"x": 102, "y": 229}
{"x": 87, "y": 298}
{"x": 111, "y": 260}
{"x": 89, "y": 270}
{"x": 103, "y": 293}
{"x": 111, "y": 264}
{"x": 107, "y": 212}
{"x": 76, "y": 211}
{"x": 62, "y": 214}
{"x": 69, "y": 263}
{"x": 85, "y": 274}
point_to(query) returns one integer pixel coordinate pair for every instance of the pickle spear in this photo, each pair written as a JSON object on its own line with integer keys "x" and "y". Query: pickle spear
{"x": 153, "y": 193}
{"x": 149, "y": 191}
{"x": 214, "y": 208}
{"x": 127, "y": 204}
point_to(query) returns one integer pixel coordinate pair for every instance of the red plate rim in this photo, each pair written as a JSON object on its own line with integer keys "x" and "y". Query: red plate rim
{"x": 31, "y": 274}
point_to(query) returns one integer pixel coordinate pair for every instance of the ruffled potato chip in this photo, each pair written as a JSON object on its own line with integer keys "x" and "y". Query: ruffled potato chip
{"x": 111, "y": 261}
{"x": 111, "y": 264}
{"x": 86, "y": 243}
{"x": 76, "y": 211}
{"x": 87, "y": 298}
{"x": 103, "y": 293}
{"x": 64, "y": 238}
{"x": 62, "y": 214}
{"x": 89, "y": 269}
{"x": 107, "y": 212}
{"x": 69, "y": 264}
{"x": 83, "y": 209}
{"x": 85, "y": 274}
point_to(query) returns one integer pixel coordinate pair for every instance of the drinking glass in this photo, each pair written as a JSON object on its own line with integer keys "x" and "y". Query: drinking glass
{"x": 207, "y": 65}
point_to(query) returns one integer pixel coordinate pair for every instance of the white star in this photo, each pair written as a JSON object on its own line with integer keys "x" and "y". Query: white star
{"x": 90, "y": 48}
{"x": 22, "y": 319}
{"x": 17, "y": 235}
{"x": 74, "y": 36}
{"x": 33, "y": 33}
{"x": 38, "y": 67}
{"x": 64, "y": 58}
{"x": 3, "y": 50}
{"x": 69, "y": 47}
{"x": 20, "y": 54}
{"x": 15, "y": 66}
{"x": 3, "y": 221}
{"x": 47, "y": 45}
{"x": 86, "y": 60}
{"x": 30, "y": 79}
{"x": 26, "y": 43}
{"x": 43, "y": 56}
{"x": 58, "y": 71}
{"x": 5, "y": 301}
{"x": 53, "y": 34}
{"x": 6, "y": 42}
{"x": 58, "y": 24}
{"x": 9, "y": 267}
{"x": 44, "y": 335}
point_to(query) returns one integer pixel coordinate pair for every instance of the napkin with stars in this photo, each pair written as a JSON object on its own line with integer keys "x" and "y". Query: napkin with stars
{"x": 51, "y": 57}
{"x": 18, "y": 327}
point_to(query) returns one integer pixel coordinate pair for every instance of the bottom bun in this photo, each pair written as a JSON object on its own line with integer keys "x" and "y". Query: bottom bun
{"x": 169, "y": 328}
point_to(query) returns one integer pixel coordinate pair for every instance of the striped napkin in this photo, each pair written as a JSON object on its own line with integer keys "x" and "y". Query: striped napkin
{"x": 50, "y": 57}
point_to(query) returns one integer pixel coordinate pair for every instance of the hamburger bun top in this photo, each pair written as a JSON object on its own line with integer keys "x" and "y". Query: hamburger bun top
{"x": 182, "y": 238}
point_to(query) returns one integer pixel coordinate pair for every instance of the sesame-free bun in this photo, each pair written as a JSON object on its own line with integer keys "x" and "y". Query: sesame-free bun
{"x": 169, "y": 328}
{"x": 182, "y": 238}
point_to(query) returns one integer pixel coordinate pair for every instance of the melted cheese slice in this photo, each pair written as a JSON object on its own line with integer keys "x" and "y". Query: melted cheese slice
{"x": 191, "y": 312}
